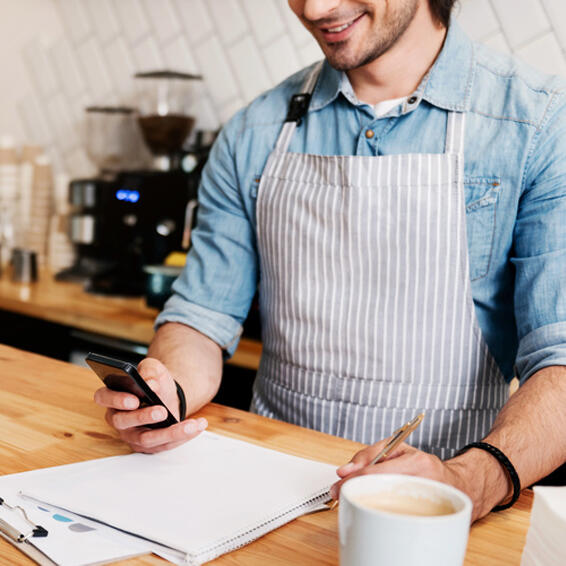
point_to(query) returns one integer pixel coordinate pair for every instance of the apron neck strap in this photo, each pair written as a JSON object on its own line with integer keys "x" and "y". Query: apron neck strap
{"x": 455, "y": 128}
{"x": 298, "y": 107}
{"x": 312, "y": 77}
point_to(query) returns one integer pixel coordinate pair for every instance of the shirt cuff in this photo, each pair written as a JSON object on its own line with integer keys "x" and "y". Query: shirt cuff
{"x": 540, "y": 348}
{"x": 220, "y": 327}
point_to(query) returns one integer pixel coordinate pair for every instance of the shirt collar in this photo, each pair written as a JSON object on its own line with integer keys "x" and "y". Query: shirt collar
{"x": 448, "y": 85}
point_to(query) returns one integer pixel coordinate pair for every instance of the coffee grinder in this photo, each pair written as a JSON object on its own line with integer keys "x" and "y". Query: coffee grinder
{"x": 128, "y": 218}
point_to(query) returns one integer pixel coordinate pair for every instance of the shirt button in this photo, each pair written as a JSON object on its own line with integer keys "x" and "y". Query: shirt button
{"x": 370, "y": 134}
{"x": 412, "y": 100}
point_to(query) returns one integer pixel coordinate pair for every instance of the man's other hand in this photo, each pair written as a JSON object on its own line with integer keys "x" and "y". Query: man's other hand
{"x": 408, "y": 460}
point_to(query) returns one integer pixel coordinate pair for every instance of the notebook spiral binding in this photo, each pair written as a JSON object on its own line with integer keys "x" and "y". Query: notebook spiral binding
{"x": 247, "y": 535}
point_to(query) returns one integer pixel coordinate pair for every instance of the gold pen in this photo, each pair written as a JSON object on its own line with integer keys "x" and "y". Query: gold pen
{"x": 396, "y": 438}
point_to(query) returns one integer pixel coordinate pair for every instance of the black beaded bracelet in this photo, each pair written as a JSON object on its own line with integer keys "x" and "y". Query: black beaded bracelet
{"x": 182, "y": 402}
{"x": 506, "y": 463}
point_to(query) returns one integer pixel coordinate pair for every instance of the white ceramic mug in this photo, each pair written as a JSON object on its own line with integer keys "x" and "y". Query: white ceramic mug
{"x": 371, "y": 537}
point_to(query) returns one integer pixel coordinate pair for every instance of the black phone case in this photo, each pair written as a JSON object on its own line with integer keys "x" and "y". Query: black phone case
{"x": 123, "y": 376}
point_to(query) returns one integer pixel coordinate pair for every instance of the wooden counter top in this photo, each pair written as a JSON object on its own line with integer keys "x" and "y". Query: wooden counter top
{"x": 117, "y": 317}
{"x": 48, "y": 418}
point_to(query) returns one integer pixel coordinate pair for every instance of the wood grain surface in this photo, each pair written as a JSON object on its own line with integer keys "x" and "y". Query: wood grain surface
{"x": 48, "y": 418}
{"x": 118, "y": 317}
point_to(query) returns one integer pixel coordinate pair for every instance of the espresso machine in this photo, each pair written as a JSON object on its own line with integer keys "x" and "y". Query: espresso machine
{"x": 126, "y": 218}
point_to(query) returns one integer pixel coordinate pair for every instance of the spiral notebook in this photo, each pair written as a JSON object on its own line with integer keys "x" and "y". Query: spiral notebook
{"x": 205, "y": 498}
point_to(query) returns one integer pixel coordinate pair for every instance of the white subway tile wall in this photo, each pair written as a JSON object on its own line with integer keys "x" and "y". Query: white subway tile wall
{"x": 75, "y": 18}
{"x": 104, "y": 19}
{"x": 42, "y": 72}
{"x": 241, "y": 47}
{"x": 123, "y": 67}
{"x": 178, "y": 55}
{"x": 133, "y": 19}
{"x": 61, "y": 123}
{"x": 252, "y": 77}
{"x": 33, "y": 115}
{"x": 230, "y": 21}
{"x": 521, "y": 20}
{"x": 147, "y": 54}
{"x": 281, "y": 58}
{"x": 69, "y": 74}
{"x": 96, "y": 68}
{"x": 196, "y": 20}
{"x": 164, "y": 20}
{"x": 556, "y": 10}
{"x": 265, "y": 19}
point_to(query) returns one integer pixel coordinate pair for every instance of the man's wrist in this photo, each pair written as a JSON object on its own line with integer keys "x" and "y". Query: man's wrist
{"x": 482, "y": 478}
{"x": 506, "y": 465}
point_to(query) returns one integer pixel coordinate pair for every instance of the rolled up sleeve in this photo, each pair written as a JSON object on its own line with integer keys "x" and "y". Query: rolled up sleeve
{"x": 214, "y": 292}
{"x": 540, "y": 250}
{"x": 543, "y": 347}
{"x": 221, "y": 328}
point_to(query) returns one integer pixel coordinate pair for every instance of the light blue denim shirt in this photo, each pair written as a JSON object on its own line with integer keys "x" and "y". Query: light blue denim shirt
{"x": 515, "y": 185}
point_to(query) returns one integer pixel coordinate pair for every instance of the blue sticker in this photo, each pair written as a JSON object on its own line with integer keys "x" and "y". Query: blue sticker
{"x": 61, "y": 518}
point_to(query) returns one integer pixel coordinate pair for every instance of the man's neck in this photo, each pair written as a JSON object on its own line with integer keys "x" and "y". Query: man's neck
{"x": 399, "y": 71}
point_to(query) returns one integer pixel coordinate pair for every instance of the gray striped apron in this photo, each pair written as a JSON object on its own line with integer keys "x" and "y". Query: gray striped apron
{"x": 365, "y": 295}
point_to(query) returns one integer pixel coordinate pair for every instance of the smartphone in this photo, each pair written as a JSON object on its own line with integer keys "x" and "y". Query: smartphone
{"x": 123, "y": 376}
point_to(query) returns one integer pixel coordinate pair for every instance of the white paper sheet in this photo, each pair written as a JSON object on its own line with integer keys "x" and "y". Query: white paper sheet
{"x": 205, "y": 498}
{"x": 546, "y": 543}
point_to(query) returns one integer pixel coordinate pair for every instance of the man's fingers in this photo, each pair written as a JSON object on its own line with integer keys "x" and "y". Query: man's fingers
{"x": 404, "y": 460}
{"x": 130, "y": 426}
{"x": 116, "y": 400}
{"x": 144, "y": 440}
{"x": 160, "y": 381}
{"x": 362, "y": 458}
{"x": 122, "y": 420}
{"x": 125, "y": 415}
{"x": 383, "y": 467}
{"x": 154, "y": 373}
{"x": 108, "y": 415}
{"x": 349, "y": 468}
{"x": 358, "y": 461}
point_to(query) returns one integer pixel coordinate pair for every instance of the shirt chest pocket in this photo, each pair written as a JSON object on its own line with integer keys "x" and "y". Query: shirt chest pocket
{"x": 482, "y": 197}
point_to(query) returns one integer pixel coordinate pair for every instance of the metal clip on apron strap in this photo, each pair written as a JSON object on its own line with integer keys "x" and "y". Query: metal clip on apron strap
{"x": 299, "y": 104}
{"x": 298, "y": 107}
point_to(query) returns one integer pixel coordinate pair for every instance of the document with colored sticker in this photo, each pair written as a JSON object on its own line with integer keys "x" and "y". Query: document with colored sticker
{"x": 69, "y": 540}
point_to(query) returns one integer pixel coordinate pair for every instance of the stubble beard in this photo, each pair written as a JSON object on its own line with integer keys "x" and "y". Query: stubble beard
{"x": 381, "y": 41}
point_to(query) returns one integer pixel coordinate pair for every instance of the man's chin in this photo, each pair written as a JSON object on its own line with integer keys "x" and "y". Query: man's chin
{"x": 343, "y": 57}
{"x": 341, "y": 62}
{"x": 344, "y": 66}
{"x": 344, "y": 62}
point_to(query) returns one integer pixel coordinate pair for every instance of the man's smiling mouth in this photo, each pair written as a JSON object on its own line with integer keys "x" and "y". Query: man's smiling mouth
{"x": 339, "y": 28}
{"x": 338, "y": 32}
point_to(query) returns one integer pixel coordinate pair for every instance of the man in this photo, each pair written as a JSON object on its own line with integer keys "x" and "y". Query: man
{"x": 406, "y": 230}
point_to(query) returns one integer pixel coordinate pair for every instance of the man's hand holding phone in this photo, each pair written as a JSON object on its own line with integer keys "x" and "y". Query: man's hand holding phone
{"x": 131, "y": 418}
